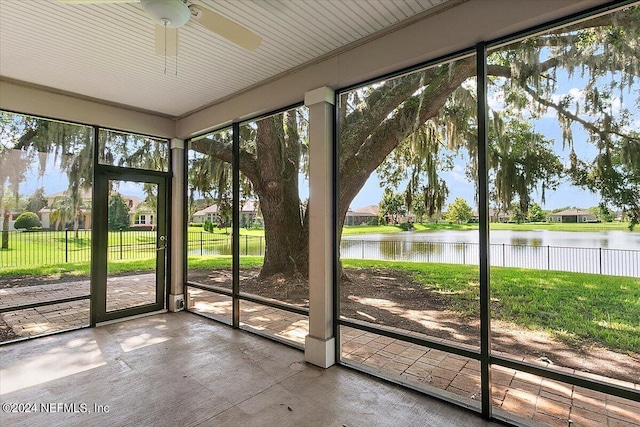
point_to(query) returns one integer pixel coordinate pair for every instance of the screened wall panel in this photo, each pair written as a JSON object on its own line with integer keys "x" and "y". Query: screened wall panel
{"x": 209, "y": 210}
{"x": 133, "y": 150}
{"x": 46, "y": 172}
{"x": 407, "y": 192}
{"x": 563, "y": 109}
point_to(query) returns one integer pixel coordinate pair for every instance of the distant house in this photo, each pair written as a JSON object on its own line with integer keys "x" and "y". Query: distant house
{"x": 498, "y": 215}
{"x": 572, "y": 215}
{"x": 362, "y": 216}
{"x": 495, "y": 215}
{"x": 248, "y": 214}
{"x": 139, "y": 213}
{"x": 47, "y": 214}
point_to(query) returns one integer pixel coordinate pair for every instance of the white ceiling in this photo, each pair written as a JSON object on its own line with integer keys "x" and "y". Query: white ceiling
{"x": 106, "y": 51}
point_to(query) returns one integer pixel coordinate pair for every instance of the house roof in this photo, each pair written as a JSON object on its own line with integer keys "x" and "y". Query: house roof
{"x": 571, "y": 212}
{"x": 371, "y": 210}
{"x": 247, "y": 207}
{"x": 86, "y": 194}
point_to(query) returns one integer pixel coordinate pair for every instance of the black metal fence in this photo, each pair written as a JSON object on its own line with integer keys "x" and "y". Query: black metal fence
{"x": 26, "y": 249}
{"x": 614, "y": 262}
{"x": 57, "y": 247}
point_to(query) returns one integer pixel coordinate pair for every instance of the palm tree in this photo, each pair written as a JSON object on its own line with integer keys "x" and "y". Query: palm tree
{"x": 62, "y": 209}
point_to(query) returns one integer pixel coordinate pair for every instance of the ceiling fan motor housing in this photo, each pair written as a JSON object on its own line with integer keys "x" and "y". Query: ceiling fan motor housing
{"x": 172, "y": 13}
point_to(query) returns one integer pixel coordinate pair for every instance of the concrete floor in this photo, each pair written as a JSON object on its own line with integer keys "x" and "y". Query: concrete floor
{"x": 182, "y": 369}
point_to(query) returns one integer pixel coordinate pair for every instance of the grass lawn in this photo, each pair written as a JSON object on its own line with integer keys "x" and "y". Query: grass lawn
{"x": 77, "y": 269}
{"x": 600, "y": 226}
{"x": 574, "y": 307}
{"x": 227, "y": 231}
{"x": 577, "y": 308}
{"x": 350, "y": 230}
{"x": 54, "y": 247}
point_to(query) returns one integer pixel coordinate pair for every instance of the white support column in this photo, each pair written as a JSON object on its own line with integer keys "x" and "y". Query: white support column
{"x": 320, "y": 343}
{"x": 176, "y": 286}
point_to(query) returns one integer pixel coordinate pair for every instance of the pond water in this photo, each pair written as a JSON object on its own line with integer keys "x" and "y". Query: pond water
{"x": 605, "y": 239}
{"x": 608, "y": 252}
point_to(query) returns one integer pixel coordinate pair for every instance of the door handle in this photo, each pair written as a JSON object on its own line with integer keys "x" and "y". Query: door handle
{"x": 163, "y": 244}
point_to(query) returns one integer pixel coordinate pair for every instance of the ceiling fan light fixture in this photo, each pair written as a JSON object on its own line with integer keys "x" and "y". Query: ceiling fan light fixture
{"x": 169, "y": 13}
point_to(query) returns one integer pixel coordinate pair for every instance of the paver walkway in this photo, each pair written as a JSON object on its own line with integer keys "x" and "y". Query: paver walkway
{"x": 122, "y": 292}
{"x": 531, "y": 397}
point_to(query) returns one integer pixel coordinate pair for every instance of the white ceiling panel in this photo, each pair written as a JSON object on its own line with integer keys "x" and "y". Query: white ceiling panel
{"x": 106, "y": 51}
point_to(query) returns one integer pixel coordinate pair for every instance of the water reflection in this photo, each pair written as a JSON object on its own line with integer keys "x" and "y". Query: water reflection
{"x": 534, "y": 250}
{"x": 521, "y": 241}
{"x": 604, "y": 239}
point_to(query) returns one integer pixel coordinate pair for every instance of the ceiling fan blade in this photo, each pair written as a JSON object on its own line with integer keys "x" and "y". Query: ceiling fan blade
{"x": 171, "y": 36}
{"x": 97, "y": 1}
{"x": 225, "y": 27}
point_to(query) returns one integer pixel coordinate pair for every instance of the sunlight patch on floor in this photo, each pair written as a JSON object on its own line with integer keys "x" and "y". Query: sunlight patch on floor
{"x": 59, "y": 362}
{"x": 141, "y": 341}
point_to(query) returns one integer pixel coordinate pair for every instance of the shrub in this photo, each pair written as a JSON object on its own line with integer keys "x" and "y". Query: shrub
{"x": 406, "y": 226}
{"x": 196, "y": 224}
{"x": 141, "y": 227}
{"x": 28, "y": 221}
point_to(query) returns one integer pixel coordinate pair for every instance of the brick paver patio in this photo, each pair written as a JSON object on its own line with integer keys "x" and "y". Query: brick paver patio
{"x": 122, "y": 292}
{"x": 531, "y": 397}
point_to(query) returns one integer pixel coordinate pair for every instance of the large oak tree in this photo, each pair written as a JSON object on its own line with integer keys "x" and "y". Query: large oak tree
{"x": 419, "y": 115}
{"x": 411, "y": 118}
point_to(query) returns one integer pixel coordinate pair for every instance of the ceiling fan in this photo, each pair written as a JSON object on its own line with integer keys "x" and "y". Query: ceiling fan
{"x": 169, "y": 15}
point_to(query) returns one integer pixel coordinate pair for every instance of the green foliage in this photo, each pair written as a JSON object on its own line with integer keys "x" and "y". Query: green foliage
{"x": 536, "y": 214}
{"x": 515, "y": 214}
{"x": 602, "y": 212}
{"x": 406, "y": 226}
{"x": 36, "y": 201}
{"x": 522, "y": 160}
{"x": 459, "y": 211}
{"x": 27, "y": 221}
{"x": 392, "y": 205}
{"x": 118, "y": 213}
{"x": 208, "y": 226}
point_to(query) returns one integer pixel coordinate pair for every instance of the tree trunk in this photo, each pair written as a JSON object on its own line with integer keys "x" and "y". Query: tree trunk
{"x": 286, "y": 239}
{"x": 277, "y": 167}
{"x": 5, "y": 229}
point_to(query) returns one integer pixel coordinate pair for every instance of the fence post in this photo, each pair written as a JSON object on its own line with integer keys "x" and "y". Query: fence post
{"x": 201, "y": 243}
{"x": 121, "y": 243}
{"x": 362, "y": 244}
{"x": 548, "y": 257}
{"x": 464, "y": 253}
{"x": 504, "y": 261}
{"x": 246, "y": 244}
{"x": 66, "y": 245}
{"x": 600, "y": 256}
